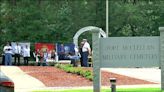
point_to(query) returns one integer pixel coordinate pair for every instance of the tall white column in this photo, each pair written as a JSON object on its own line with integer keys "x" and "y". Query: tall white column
{"x": 161, "y": 29}
{"x": 96, "y": 62}
{"x": 107, "y": 19}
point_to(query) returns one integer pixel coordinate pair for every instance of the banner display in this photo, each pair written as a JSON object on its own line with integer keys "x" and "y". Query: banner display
{"x": 41, "y": 47}
{"x": 65, "y": 49}
{"x": 44, "y": 46}
{"x": 62, "y": 49}
{"x": 68, "y": 48}
{"x": 22, "y": 44}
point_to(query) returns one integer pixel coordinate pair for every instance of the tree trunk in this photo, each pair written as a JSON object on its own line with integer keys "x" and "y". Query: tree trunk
{"x": 39, "y": 2}
{"x": 13, "y": 2}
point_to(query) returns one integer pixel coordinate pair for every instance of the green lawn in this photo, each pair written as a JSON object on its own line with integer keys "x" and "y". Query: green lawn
{"x": 108, "y": 90}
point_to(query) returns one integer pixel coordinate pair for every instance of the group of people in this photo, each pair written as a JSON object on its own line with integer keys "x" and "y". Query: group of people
{"x": 42, "y": 56}
{"x": 17, "y": 51}
{"x": 81, "y": 54}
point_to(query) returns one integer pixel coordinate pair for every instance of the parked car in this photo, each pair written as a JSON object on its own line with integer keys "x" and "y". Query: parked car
{"x": 6, "y": 84}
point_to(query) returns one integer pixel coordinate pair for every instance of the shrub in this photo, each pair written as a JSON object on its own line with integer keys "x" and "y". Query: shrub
{"x": 90, "y": 77}
{"x": 74, "y": 70}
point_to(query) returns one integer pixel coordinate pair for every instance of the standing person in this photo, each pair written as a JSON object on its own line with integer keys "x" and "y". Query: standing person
{"x": 38, "y": 57}
{"x": 26, "y": 54}
{"x": 3, "y": 59}
{"x": 53, "y": 54}
{"x": 8, "y": 54}
{"x": 45, "y": 57}
{"x": 17, "y": 53}
{"x": 80, "y": 51}
{"x": 62, "y": 52}
{"x": 86, "y": 50}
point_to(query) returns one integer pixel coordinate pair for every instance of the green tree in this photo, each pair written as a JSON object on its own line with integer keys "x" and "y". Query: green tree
{"x": 58, "y": 20}
{"x": 135, "y": 19}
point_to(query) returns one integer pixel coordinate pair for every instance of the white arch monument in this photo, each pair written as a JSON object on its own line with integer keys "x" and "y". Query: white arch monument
{"x": 85, "y": 29}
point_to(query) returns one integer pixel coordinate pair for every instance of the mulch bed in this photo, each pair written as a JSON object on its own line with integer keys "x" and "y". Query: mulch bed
{"x": 54, "y": 77}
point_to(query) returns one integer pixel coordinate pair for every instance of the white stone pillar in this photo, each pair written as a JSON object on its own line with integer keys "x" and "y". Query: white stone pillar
{"x": 161, "y": 29}
{"x": 96, "y": 61}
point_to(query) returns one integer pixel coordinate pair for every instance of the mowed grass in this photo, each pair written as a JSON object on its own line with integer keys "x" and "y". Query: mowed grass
{"x": 107, "y": 90}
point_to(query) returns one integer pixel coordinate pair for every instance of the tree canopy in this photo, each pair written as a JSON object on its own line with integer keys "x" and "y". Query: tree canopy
{"x": 58, "y": 20}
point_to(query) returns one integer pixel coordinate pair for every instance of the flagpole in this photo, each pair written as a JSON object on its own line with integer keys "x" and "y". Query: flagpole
{"x": 107, "y": 20}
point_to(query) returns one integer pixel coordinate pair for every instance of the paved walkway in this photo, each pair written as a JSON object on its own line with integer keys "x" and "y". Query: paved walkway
{"x": 25, "y": 83}
{"x": 22, "y": 81}
{"x": 148, "y": 74}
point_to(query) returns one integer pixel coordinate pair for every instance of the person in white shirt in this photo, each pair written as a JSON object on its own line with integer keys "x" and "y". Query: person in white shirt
{"x": 17, "y": 54}
{"x": 8, "y": 54}
{"x": 45, "y": 57}
{"x": 75, "y": 57}
{"x": 80, "y": 51}
{"x": 86, "y": 50}
{"x": 26, "y": 54}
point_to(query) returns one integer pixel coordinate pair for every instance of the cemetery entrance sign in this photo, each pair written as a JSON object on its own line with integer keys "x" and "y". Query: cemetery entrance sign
{"x": 127, "y": 52}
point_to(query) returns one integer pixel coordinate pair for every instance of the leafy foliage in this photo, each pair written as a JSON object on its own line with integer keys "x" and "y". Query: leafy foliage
{"x": 75, "y": 70}
{"x": 58, "y": 20}
{"x": 45, "y": 20}
{"x": 135, "y": 19}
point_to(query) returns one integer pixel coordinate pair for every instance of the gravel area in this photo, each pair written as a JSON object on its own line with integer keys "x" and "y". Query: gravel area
{"x": 54, "y": 77}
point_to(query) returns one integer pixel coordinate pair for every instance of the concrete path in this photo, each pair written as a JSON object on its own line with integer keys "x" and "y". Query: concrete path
{"x": 22, "y": 81}
{"x": 25, "y": 83}
{"x": 148, "y": 74}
